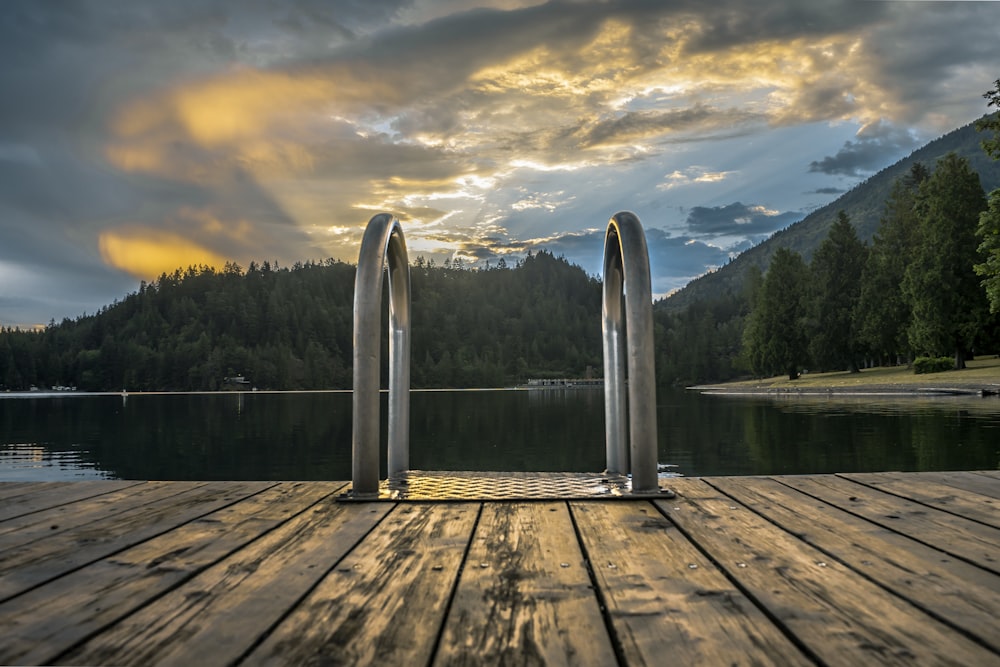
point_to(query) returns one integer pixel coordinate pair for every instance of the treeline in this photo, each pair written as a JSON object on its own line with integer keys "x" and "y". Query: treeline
{"x": 917, "y": 291}
{"x": 292, "y": 328}
{"x": 928, "y": 285}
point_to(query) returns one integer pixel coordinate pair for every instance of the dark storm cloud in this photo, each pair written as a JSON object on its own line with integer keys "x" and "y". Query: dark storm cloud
{"x": 827, "y": 191}
{"x": 639, "y": 124}
{"x": 730, "y": 24}
{"x": 737, "y": 219}
{"x": 391, "y": 103}
{"x": 927, "y": 56}
{"x": 877, "y": 145}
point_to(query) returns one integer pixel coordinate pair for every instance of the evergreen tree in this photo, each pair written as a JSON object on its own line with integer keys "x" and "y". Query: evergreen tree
{"x": 989, "y": 220}
{"x": 775, "y": 338}
{"x": 883, "y": 313}
{"x": 988, "y": 232}
{"x": 946, "y": 299}
{"x": 836, "y": 288}
{"x": 991, "y": 122}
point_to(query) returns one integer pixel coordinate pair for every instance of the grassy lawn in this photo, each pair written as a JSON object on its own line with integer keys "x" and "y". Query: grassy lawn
{"x": 983, "y": 372}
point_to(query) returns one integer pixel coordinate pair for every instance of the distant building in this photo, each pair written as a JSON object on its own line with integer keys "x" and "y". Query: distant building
{"x": 564, "y": 383}
{"x": 237, "y": 381}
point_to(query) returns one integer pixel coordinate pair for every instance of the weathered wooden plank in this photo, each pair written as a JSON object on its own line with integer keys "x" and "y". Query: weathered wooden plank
{"x": 668, "y": 603}
{"x": 525, "y": 596}
{"x": 983, "y": 509}
{"x": 956, "y": 535}
{"x": 966, "y": 481}
{"x": 23, "y": 566}
{"x": 71, "y": 515}
{"x": 41, "y": 496}
{"x": 47, "y": 621}
{"x": 386, "y": 600}
{"x": 218, "y": 615}
{"x": 841, "y": 618}
{"x": 993, "y": 474}
{"x": 963, "y": 595}
{"x": 14, "y": 489}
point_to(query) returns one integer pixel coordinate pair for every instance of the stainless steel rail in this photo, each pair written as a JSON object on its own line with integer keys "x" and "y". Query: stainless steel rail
{"x": 628, "y": 347}
{"x": 626, "y": 276}
{"x": 383, "y": 243}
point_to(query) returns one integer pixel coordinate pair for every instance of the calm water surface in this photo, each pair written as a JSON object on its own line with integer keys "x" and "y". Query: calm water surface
{"x": 277, "y": 436}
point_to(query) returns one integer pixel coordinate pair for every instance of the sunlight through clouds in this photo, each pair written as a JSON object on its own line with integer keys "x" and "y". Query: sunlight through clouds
{"x": 275, "y": 130}
{"x": 146, "y": 253}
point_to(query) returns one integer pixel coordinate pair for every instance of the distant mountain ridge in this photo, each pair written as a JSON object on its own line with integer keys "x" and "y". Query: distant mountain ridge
{"x": 863, "y": 204}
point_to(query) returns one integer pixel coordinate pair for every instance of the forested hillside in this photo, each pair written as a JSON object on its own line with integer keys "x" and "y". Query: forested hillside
{"x": 713, "y": 317}
{"x": 284, "y": 328}
{"x": 863, "y": 204}
{"x": 291, "y": 328}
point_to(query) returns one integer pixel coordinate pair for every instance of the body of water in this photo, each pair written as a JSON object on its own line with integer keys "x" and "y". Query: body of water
{"x": 307, "y": 435}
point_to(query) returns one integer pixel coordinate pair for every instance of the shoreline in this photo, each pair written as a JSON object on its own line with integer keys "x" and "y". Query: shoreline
{"x": 872, "y": 390}
{"x": 980, "y": 378}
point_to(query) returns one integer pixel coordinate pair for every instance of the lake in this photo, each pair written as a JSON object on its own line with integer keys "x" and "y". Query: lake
{"x": 307, "y": 435}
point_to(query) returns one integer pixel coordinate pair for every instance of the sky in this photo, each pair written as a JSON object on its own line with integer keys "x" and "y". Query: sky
{"x": 141, "y": 136}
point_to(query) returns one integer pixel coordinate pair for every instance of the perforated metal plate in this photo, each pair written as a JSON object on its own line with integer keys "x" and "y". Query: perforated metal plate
{"x": 462, "y": 485}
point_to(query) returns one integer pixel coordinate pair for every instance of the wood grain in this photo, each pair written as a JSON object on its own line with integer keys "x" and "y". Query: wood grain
{"x": 525, "y": 596}
{"x": 384, "y": 602}
{"x": 94, "y": 597}
{"x": 841, "y": 618}
{"x": 922, "y": 489}
{"x": 963, "y": 595}
{"x": 28, "y": 564}
{"x": 216, "y": 616}
{"x": 786, "y": 570}
{"x": 952, "y": 534}
{"x": 966, "y": 481}
{"x": 668, "y": 603}
{"x": 39, "y": 499}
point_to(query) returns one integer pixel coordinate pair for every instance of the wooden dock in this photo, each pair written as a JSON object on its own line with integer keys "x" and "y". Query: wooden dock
{"x": 854, "y": 569}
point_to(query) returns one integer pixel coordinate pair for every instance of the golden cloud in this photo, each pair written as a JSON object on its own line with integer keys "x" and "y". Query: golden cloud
{"x": 260, "y": 120}
{"x": 147, "y": 253}
{"x": 325, "y": 142}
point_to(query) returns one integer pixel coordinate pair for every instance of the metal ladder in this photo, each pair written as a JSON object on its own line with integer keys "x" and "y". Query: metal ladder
{"x": 626, "y": 279}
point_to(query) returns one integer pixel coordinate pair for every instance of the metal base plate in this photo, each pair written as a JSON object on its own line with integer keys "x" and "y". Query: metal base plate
{"x": 420, "y": 485}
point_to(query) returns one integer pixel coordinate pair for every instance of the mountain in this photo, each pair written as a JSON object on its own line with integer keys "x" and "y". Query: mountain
{"x": 863, "y": 204}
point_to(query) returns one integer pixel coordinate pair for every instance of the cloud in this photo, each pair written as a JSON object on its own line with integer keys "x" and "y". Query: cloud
{"x": 261, "y": 129}
{"x": 737, "y": 219}
{"x": 634, "y": 126}
{"x": 878, "y": 144}
{"x": 146, "y": 253}
{"x": 693, "y": 174}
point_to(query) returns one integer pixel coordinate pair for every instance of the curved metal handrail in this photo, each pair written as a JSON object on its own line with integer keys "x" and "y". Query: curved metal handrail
{"x": 626, "y": 275}
{"x": 383, "y": 243}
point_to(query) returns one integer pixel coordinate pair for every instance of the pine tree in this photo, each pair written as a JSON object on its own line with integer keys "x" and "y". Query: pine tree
{"x": 988, "y": 230}
{"x": 883, "y": 313}
{"x": 989, "y": 248}
{"x": 991, "y": 122}
{"x": 947, "y": 301}
{"x": 836, "y": 288}
{"x": 775, "y": 337}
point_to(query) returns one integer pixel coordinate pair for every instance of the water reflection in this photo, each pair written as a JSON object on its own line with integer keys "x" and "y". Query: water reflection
{"x": 796, "y": 434}
{"x": 244, "y": 436}
{"x": 542, "y": 430}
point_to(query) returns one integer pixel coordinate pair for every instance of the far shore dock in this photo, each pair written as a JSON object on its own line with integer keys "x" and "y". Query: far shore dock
{"x": 849, "y": 569}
